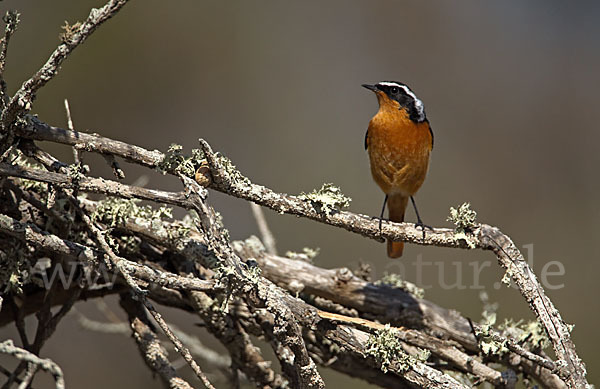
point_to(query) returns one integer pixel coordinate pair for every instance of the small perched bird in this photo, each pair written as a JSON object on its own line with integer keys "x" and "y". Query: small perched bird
{"x": 399, "y": 141}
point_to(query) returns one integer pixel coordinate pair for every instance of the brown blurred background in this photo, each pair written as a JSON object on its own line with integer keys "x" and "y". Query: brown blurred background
{"x": 510, "y": 89}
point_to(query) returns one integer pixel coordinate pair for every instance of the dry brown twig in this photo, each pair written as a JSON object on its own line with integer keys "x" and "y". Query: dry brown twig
{"x": 152, "y": 351}
{"x": 21, "y": 102}
{"x": 7, "y": 347}
{"x": 265, "y": 232}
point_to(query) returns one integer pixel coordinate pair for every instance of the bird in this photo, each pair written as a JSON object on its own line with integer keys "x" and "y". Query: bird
{"x": 399, "y": 141}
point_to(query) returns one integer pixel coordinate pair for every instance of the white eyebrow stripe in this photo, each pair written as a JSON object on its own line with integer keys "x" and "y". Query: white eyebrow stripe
{"x": 418, "y": 102}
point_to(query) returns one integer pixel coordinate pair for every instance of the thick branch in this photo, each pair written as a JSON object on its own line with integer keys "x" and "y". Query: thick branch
{"x": 387, "y": 304}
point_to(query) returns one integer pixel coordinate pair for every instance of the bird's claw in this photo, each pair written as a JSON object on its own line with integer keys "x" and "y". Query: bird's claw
{"x": 380, "y": 224}
{"x": 423, "y": 227}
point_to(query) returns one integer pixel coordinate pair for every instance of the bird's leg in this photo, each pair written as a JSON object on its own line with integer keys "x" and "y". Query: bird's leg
{"x": 419, "y": 222}
{"x": 382, "y": 211}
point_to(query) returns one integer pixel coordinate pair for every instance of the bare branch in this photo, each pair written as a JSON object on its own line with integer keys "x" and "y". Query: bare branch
{"x": 152, "y": 351}
{"x": 38, "y": 130}
{"x": 112, "y": 162}
{"x": 12, "y": 20}
{"x": 72, "y": 128}
{"x": 22, "y": 100}
{"x": 263, "y": 227}
{"x": 95, "y": 185}
{"x": 7, "y": 347}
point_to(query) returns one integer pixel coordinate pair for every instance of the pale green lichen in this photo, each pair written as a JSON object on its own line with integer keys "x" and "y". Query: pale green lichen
{"x": 110, "y": 240}
{"x": 328, "y": 199}
{"x": 253, "y": 272}
{"x": 253, "y": 243}
{"x": 464, "y": 219}
{"x": 489, "y": 310}
{"x": 69, "y": 31}
{"x": 507, "y": 277}
{"x": 232, "y": 172}
{"x": 530, "y": 334}
{"x": 14, "y": 270}
{"x": 395, "y": 281}
{"x": 176, "y": 162}
{"x": 487, "y": 343}
{"x": 16, "y": 157}
{"x": 178, "y": 231}
{"x": 423, "y": 355}
{"x": 115, "y": 211}
{"x": 307, "y": 254}
{"x": 128, "y": 244}
{"x": 76, "y": 171}
{"x": 189, "y": 221}
{"x": 386, "y": 348}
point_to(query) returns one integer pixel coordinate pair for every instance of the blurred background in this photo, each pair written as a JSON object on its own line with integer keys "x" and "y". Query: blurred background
{"x": 510, "y": 88}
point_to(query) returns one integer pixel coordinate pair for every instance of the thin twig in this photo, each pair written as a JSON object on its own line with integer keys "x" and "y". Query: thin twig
{"x": 7, "y": 347}
{"x": 152, "y": 351}
{"x": 96, "y": 185}
{"x": 112, "y": 162}
{"x": 11, "y": 18}
{"x": 265, "y": 232}
{"x": 21, "y": 102}
{"x": 72, "y": 128}
{"x": 29, "y": 374}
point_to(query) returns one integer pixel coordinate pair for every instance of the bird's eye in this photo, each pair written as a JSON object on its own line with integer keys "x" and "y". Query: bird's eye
{"x": 394, "y": 90}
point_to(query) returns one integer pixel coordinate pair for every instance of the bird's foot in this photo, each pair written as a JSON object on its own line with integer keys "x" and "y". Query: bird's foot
{"x": 381, "y": 220}
{"x": 420, "y": 224}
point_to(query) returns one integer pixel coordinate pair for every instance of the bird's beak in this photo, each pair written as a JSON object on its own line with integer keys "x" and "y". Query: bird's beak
{"x": 370, "y": 87}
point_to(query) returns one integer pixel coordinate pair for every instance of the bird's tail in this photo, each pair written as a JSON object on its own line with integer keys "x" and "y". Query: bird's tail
{"x": 396, "y": 206}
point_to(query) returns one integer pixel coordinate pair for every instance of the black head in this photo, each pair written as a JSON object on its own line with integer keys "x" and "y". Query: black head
{"x": 403, "y": 95}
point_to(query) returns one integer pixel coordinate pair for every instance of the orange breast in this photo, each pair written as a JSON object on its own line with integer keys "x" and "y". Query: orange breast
{"x": 398, "y": 149}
